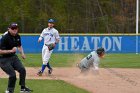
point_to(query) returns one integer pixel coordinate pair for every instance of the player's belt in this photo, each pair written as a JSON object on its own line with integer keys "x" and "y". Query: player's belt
{"x": 7, "y": 55}
{"x": 46, "y": 44}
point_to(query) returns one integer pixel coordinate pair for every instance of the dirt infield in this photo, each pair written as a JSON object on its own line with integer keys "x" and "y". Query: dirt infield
{"x": 107, "y": 81}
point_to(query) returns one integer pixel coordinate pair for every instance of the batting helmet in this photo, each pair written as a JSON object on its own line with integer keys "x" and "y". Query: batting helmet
{"x": 51, "y": 21}
{"x": 100, "y": 51}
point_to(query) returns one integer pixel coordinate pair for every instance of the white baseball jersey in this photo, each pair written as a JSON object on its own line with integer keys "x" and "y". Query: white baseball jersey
{"x": 91, "y": 60}
{"x": 50, "y": 35}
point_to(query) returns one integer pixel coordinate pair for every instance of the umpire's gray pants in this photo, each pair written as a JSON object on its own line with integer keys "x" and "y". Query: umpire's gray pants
{"x": 9, "y": 65}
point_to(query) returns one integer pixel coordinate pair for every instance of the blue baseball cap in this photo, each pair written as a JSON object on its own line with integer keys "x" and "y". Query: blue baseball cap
{"x": 51, "y": 21}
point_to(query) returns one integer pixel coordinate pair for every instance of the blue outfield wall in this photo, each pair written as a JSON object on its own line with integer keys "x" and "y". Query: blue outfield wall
{"x": 85, "y": 44}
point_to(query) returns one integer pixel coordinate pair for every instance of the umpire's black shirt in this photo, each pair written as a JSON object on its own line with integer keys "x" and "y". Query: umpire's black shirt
{"x": 8, "y": 42}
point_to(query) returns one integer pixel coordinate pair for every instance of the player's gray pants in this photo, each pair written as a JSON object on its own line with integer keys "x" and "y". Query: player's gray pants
{"x": 83, "y": 68}
{"x": 9, "y": 65}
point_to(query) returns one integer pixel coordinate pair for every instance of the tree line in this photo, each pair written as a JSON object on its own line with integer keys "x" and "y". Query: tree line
{"x": 72, "y": 16}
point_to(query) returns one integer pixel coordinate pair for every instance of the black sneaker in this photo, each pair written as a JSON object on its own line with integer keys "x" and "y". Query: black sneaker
{"x": 25, "y": 90}
{"x": 8, "y": 91}
{"x": 50, "y": 71}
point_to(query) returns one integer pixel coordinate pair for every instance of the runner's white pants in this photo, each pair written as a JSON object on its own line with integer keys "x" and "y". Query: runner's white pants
{"x": 46, "y": 54}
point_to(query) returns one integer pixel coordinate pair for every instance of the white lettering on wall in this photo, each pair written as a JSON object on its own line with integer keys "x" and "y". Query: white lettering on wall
{"x": 106, "y": 43}
{"x": 96, "y": 41}
{"x": 117, "y": 41}
{"x": 63, "y": 44}
{"x": 74, "y": 43}
{"x": 85, "y": 45}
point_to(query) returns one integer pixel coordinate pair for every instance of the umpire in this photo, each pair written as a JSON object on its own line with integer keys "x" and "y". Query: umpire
{"x": 10, "y": 62}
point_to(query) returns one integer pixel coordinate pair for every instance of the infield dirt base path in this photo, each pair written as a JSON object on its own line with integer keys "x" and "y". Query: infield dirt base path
{"x": 107, "y": 81}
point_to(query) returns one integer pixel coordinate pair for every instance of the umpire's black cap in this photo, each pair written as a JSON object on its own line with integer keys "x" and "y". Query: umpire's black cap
{"x": 13, "y": 25}
{"x": 100, "y": 51}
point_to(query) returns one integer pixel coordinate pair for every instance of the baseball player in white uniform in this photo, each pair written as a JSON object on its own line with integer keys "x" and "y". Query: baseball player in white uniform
{"x": 51, "y": 38}
{"x": 92, "y": 60}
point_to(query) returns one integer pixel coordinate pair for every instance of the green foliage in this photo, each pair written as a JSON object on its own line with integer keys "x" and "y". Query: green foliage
{"x": 73, "y": 16}
{"x": 45, "y": 86}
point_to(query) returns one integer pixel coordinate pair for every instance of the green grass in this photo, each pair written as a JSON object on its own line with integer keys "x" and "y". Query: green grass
{"x": 121, "y": 61}
{"x": 45, "y": 86}
{"x": 56, "y": 60}
{"x": 68, "y": 60}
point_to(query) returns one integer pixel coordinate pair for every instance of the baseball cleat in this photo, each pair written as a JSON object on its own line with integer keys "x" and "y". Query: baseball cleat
{"x": 25, "y": 90}
{"x": 40, "y": 73}
{"x": 50, "y": 71}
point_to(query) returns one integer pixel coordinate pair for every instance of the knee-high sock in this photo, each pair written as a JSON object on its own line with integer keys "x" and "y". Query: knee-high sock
{"x": 43, "y": 67}
{"x": 48, "y": 65}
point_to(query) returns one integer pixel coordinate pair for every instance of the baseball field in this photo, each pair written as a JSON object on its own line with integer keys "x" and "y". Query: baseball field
{"x": 119, "y": 73}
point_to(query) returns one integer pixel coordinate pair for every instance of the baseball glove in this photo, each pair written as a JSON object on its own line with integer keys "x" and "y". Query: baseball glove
{"x": 50, "y": 46}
